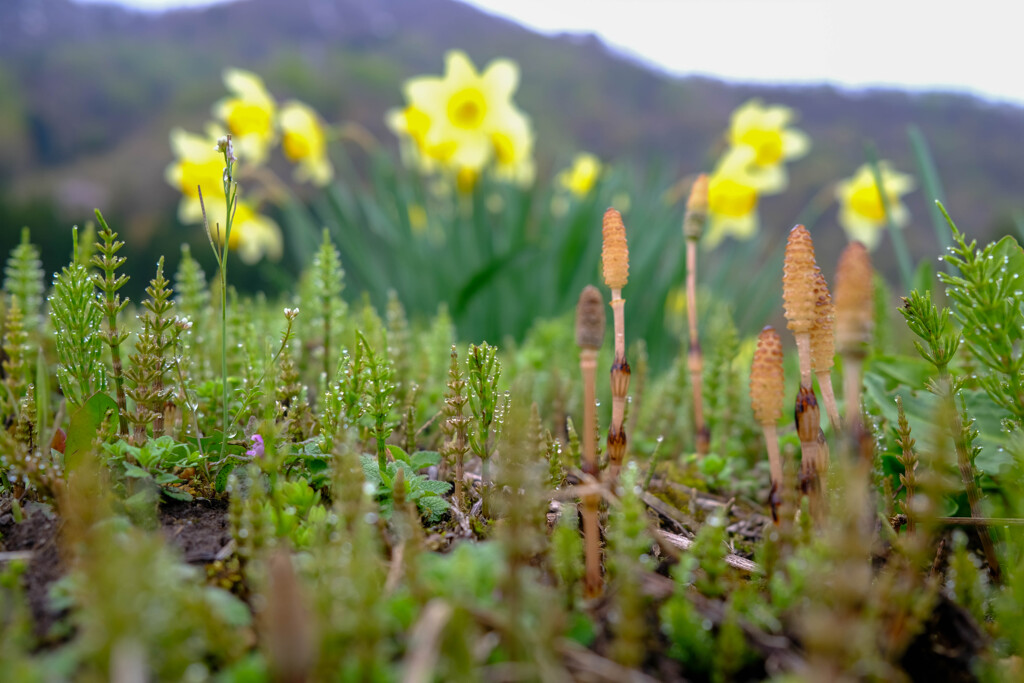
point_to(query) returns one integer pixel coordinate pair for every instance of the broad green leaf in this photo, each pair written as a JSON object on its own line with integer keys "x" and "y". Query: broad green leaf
{"x": 421, "y": 459}
{"x": 135, "y": 472}
{"x": 85, "y": 424}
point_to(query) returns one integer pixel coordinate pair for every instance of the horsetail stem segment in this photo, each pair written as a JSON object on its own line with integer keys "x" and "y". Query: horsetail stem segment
{"x": 823, "y": 345}
{"x": 590, "y": 324}
{"x": 693, "y": 228}
{"x": 766, "y": 398}
{"x": 854, "y": 322}
{"x": 615, "y": 263}
{"x": 814, "y": 459}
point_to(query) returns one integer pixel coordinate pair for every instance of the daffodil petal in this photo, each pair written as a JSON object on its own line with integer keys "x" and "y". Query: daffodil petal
{"x": 458, "y": 66}
{"x": 860, "y": 229}
{"x": 795, "y": 143}
{"x": 502, "y": 78}
{"x": 246, "y": 85}
{"x": 740, "y": 227}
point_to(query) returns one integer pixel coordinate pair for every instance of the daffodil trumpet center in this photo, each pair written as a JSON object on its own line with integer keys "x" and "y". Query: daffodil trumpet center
{"x": 296, "y": 146}
{"x": 246, "y": 118}
{"x": 767, "y": 145}
{"x": 867, "y": 202}
{"x": 727, "y": 197}
{"x": 467, "y": 108}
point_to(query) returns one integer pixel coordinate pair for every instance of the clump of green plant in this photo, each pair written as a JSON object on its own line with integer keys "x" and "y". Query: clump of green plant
{"x": 416, "y": 488}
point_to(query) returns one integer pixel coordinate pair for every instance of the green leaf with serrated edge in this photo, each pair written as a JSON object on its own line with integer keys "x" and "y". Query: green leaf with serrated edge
{"x": 370, "y": 469}
{"x": 422, "y": 459}
{"x": 85, "y": 424}
{"x": 436, "y": 487}
{"x": 433, "y": 507}
{"x": 398, "y": 453}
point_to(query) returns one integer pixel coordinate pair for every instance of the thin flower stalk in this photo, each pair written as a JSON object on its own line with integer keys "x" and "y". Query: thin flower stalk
{"x": 615, "y": 262}
{"x": 220, "y": 248}
{"x": 590, "y": 324}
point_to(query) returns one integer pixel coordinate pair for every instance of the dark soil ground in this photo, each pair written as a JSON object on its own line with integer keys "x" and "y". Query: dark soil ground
{"x": 198, "y": 528}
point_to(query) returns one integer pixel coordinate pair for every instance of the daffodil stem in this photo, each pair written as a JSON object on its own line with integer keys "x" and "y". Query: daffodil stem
{"x": 932, "y": 185}
{"x": 230, "y": 197}
{"x": 898, "y": 244}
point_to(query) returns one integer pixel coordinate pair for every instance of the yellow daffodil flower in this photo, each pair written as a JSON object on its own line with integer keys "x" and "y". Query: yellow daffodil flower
{"x": 249, "y": 113}
{"x": 733, "y": 192}
{"x": 764, "y": 129}
{"x": 582, "y": 175}
{"x": 466, "y": 120}
{"x": 411, "y": 125}
{"x": 513, "y": 150}
{"x": 198, "y": 164}
{"x": 253, "y": 235}
{"x": 861, "y": 212}
{"x": 304, "y": 143}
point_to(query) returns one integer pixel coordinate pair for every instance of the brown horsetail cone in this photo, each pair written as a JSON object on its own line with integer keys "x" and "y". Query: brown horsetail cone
{"x": 855, "y": 320}
{"x": 854, "y": 310}
{"x": 614, "y": 251}
{"x": 823, "y": 336}
{"x": 766, "y": 378}
{"x": 798, "y": 297}
{"x": 590, "y": 318}
{"x": 766, "y": 395}
{"x": 696, "y": 208}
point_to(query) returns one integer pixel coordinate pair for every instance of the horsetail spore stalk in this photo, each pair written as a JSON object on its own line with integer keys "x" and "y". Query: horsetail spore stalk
{"x": 615, "y": 262}
{"x": 798, "y": 296}
{"x": 800, "y": 301}
{"x": 766, "y": 398}
{"x": 814, "y": 457}
{"x": 693, "y": 228}
{"x": 854, "y": 321}
{"x": 823, "y": 345}
{"x": 590, "y": 324}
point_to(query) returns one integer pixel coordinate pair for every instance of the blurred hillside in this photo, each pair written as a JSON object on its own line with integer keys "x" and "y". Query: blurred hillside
{"x": 89, "y": 93}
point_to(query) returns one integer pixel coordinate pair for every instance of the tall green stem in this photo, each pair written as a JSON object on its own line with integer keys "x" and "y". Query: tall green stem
{"x": 898, "y": 244}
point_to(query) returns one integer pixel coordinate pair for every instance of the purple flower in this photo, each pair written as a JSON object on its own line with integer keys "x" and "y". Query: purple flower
{"x": 257, "y": 447}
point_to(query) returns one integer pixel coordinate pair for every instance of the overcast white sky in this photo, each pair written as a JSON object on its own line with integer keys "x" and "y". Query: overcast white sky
{"x": 937, "y": 44}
